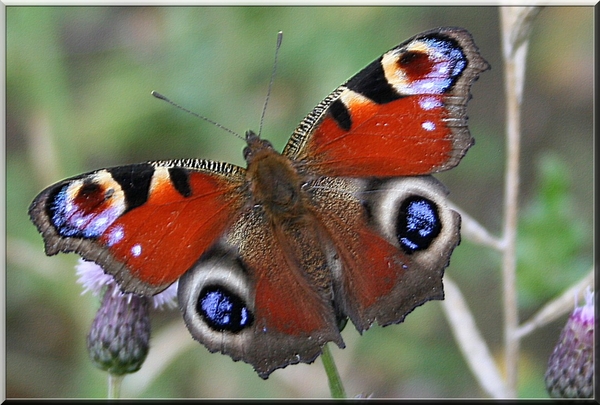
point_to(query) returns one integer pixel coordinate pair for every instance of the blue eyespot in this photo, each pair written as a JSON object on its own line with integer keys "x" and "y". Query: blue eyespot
{"x": 59, "y": 212}
{"x": 418, "y": 224}
{"x": 435, "y": 72}
{"x": 87, "y": 215}
{"x": 223, "y": 310}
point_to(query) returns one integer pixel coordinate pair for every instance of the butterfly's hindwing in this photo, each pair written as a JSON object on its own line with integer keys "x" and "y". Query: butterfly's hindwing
{"x": 393, "y": 240}
{"x": 412, "y": 214}
{"x": 292, "y": 315}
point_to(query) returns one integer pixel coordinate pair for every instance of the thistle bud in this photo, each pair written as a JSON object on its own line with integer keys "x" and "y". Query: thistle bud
{"x": 119, "y": 337}
{"x": 570, "y": 371}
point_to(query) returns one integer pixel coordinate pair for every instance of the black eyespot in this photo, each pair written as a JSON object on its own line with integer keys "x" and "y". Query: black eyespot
{"x": 418, "y": 224}
{"x": 76, "y": 216}
{"x": 223, "y": 310}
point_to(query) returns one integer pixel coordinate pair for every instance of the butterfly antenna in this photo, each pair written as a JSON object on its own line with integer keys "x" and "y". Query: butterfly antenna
{"x": 216, "y": 124}
{"x": 262, "y": 117}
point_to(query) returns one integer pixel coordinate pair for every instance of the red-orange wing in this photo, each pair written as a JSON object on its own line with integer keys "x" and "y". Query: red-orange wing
{"x": 146, "y": 224}
{"x": 404, "y": 114}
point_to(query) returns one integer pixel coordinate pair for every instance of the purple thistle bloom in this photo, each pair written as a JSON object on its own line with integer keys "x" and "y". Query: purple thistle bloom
{"x": 119, "y": 338}
{"x": 570, "y": 371}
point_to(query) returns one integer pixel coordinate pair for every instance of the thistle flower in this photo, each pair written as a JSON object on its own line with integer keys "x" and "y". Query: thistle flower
{"x": 118, "y": 340}
{"x": 570, "y": 371}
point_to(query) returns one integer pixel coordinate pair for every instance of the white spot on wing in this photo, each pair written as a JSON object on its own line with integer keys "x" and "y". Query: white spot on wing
{"x": 136, "y": 250}
{"x": 429, "y": 103}
{"x": 428, "y": 126}
{"x": 115, "y": 235}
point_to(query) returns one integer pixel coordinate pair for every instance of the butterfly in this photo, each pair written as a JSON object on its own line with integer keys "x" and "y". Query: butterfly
{"x": 272, "y": 259}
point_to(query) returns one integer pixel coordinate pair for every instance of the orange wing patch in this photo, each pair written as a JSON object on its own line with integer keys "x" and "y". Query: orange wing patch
{"x": 384, "y": 140}
{"x": 162, "y": 239}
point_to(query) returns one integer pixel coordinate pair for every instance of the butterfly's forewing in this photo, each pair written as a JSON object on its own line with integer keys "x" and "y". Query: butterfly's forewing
{"x": 146, "y": 224}
{"x": 404, "y": 114}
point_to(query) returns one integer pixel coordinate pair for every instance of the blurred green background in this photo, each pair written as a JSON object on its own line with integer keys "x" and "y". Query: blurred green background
{"x": 78, "y": 82}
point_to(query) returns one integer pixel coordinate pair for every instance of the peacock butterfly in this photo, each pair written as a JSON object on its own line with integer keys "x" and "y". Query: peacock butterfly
{"x": 347, "y": 222}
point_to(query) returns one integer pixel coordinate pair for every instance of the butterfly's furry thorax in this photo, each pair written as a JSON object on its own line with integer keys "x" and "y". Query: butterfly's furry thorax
{"x": 274, "y": 182}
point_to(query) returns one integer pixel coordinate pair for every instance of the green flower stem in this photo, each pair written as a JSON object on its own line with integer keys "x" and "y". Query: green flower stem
{"x": 335, "y": 383}
{"x": 114, "y": 386}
